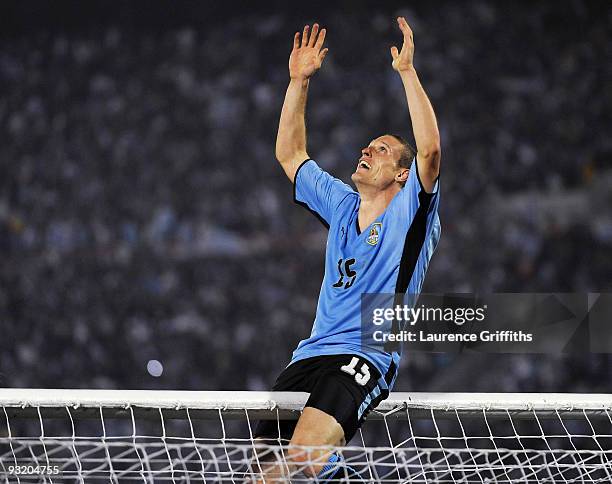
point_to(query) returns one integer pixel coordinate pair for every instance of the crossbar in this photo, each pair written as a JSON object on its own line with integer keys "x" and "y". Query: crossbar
{"x": 25, "y": 402}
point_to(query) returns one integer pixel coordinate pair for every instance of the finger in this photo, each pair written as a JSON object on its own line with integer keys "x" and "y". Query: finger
{"x": 404, "y": 27}
{"x": 394, "y": 52}
{"x": 296, "y": 40}
{"x": 320, "y": 39}
{"x": 323, "y": 54}
{"x": 313, "y": 35}
{"x": 305, "y": 36}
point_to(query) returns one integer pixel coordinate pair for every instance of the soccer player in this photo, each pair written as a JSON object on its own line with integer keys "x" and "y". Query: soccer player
{"x": 381, "y": 238}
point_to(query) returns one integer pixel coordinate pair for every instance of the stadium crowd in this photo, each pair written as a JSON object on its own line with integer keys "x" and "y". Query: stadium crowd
{"x": 143, "y": 215}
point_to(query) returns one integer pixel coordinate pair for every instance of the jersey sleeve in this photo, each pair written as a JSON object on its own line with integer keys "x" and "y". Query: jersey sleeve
{"x": 318, "y": 191}
{"x": 414, "y": 196}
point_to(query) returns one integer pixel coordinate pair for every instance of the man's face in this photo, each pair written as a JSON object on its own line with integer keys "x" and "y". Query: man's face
{"x": 378, "y": 163}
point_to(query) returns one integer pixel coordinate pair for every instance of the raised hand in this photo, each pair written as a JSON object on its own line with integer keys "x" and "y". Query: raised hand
{"x": 306, "y": 58}
{"x": 402, "y": 60}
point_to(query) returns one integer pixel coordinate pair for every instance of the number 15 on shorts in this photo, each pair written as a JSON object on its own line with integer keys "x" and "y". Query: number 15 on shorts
{"x": 361, "y": 377}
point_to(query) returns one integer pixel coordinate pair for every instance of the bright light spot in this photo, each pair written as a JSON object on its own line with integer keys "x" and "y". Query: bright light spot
{"x": 155, "y": 368}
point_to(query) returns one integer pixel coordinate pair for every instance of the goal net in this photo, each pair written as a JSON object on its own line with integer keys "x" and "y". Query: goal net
{"x": 160, "y": 436}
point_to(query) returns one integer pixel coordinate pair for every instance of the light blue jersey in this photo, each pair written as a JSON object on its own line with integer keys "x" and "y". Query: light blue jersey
{"x": 389, "y": 256}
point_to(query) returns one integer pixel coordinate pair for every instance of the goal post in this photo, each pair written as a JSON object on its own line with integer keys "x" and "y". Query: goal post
{"x": 189, "y": 436}
{"x": 263, "y": 405}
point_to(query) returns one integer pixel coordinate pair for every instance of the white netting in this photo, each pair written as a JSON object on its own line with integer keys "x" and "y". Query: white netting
{"x": 106, "y": 436}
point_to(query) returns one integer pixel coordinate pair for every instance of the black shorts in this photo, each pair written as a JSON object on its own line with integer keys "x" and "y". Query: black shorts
{"x": 343, "y": 386}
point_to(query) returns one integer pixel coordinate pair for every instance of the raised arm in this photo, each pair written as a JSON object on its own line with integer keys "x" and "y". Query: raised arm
{"x": 424, "y": 125}
{"x": 306, "y": 58}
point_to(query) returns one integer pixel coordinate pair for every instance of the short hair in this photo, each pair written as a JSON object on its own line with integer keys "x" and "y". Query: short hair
{"x": 407, "y": 155}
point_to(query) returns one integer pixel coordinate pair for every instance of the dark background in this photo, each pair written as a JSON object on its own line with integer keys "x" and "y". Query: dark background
{"x": 143, "y": 215}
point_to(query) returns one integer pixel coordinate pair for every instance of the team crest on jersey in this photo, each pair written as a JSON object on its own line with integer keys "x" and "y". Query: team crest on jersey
{"x": 374, "y": 233}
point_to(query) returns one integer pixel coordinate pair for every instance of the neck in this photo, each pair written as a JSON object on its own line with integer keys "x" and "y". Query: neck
{"x": 374, "y": 202}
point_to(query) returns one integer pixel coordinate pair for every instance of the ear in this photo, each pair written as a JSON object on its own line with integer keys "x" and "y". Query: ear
{"x": 402, "y": 175}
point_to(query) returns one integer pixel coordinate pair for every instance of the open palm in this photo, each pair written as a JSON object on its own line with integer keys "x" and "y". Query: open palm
{"x": 306, "y": 58}
{"x": 402, "y": 60}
